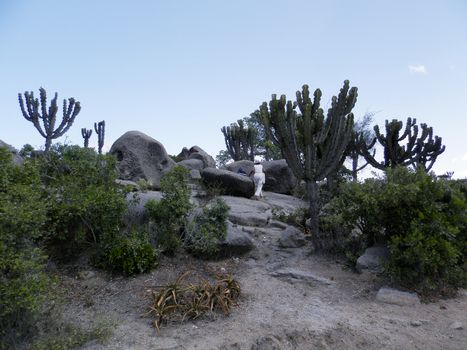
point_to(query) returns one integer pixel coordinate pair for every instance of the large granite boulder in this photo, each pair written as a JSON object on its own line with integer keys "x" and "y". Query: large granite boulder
{"x": 196, "y": 152}
{"x": 279, "y": 177}
{"x": 229, "y": 182}
{"x": 17, "y": 159}
{"x": 139, "y": 156}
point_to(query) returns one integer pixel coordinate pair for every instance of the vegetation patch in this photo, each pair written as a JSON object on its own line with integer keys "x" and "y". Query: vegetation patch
{"x": 183, "y": 300}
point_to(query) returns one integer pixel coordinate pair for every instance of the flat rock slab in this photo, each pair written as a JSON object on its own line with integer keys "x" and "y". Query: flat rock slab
{"x": 285, "y": 203}
{"x": 302, "y": 275}
{"x": 291, "y": 237}
{"x": 397, "y": 297}
{"x": 248, "y": 212}
{"x": 236, "y": 242}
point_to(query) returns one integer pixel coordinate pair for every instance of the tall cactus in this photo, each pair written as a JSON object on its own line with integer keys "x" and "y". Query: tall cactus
{"x": 240, "y": 141}
{"x": 100, "y": 131}
{"x": 35, "y": 113}
{"x": 86, "y": 133}
{"x": 312, "y": 145}
{"x": 418, "y": 150}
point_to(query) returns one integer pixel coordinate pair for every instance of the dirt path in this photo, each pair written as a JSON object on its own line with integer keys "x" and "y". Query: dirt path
{"x": 291, "y": 300}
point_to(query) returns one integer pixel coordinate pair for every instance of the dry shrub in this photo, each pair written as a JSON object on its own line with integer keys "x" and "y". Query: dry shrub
{"x": 184, "y": 300}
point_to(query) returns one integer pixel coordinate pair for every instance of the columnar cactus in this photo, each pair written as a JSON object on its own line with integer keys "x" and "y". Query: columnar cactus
{"x": 100, "y": 131}
{"x": 312, "y": 145}
{"x": 240, "y": 141}
{"x": 86, "y": 133}
{"x": 419, "y": 150}
{"x": 34, "y": 113}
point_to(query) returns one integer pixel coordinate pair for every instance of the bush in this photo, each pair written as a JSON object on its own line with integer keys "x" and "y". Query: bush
{"x": 207, "y": 229}
{"x": 84, "y": 202}
{"x": 130, "y": 254}
{"x": 168, "y": 216}
{"x": 23, "y": 283}
{"x": 422, "y": 220}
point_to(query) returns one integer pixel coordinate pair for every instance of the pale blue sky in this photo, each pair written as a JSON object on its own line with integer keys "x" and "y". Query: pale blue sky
{"x": 180, "y": 70}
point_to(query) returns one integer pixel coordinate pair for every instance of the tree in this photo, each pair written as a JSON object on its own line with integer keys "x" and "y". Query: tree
{"x": 264, "y": 146}
{"x": 222, "y": 158}
{"x": 240, "y": 141}
{"x": 312, "y": 145}
{"x": 33, "y": 113}
{"x": 362, "y": 138}
{"x": 418, "y": 151}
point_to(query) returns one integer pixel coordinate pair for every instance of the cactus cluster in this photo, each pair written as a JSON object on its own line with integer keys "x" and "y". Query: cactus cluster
{"x": 240, "y": 140}
{"x": 418, "y": 150}
{"x": 35, "y": 112}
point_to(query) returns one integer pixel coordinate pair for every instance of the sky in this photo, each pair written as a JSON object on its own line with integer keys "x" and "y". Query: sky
{"x": 180, "y": 70}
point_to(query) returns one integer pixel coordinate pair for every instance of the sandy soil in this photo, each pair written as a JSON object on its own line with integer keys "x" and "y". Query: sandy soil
{"x": 338, "y": 311}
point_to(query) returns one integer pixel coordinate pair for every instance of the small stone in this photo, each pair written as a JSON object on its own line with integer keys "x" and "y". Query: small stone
{"x": 415, "y": 323}
{"x": 456, "y": 325}
{"x": 85, "y": 275}
{"x": 397, "y": 297}
{"x": 442, "y": 307}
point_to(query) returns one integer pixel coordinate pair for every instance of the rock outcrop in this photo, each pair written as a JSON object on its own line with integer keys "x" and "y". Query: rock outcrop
{"x": 139, "y": 156}
{"x": 197, "y": 152}
{"x": 229, "y": 182}
{"x": 248, "y": 212}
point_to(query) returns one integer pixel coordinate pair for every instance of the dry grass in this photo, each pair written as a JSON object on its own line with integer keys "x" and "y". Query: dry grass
{"x": 184, "y": 300}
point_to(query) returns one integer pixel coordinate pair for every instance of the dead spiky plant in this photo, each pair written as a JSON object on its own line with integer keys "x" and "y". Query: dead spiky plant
{"x": 183, "y": 301}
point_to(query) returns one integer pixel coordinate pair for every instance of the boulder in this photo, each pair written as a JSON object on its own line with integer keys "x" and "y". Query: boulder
{"x": 136, "y": 213}
{"x": 279, "y": 177}
{"x": 246, "y": 165}
{"x": 397, "y": 297}
{"x": 196, "y": 152}
{"x": 231, "y": 183}
{"x": 236, "y": 242}
{"x": 248, "y": 212}
{"x": 372, "y": 259}
{"x": 195, "y": 174}
{"x": 17, "y": 159}
{"x": 192, "y": 164}
{"x": 139, "y": 156}
{"x": 292, "y": 237}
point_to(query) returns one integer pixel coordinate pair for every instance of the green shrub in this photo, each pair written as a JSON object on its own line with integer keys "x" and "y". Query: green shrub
{"x": 130, "y": 254}
{"x": 168, "y": 216}
{"x": 423, "y": 221}
{"x": 207, "y": 228}
{"x": 23, "y": 283}
{"x": 84, "y": 202}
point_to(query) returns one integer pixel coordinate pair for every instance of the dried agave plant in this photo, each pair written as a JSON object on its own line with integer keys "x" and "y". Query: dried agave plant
{"x": 181, "y": 300}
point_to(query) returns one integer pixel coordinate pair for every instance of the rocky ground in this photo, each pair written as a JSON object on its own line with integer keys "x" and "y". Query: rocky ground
{"x": 291, "y": 299}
